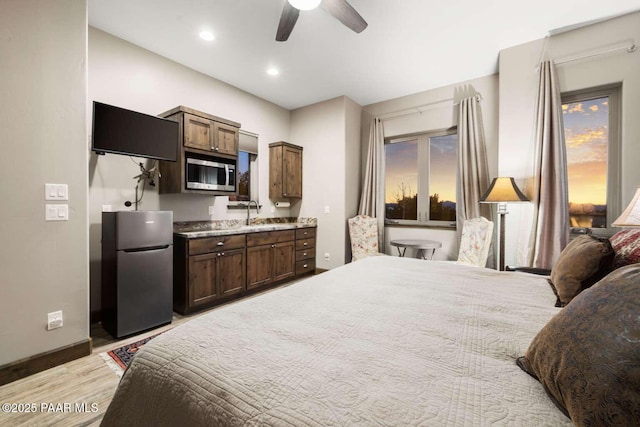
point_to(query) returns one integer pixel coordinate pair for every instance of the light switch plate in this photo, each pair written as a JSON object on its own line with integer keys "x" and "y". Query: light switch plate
{"x": 56, "y": 192}
{"x": 56, "y": 212}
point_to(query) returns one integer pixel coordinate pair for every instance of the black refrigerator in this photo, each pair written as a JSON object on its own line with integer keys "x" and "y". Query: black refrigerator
{"x": 137, "y": 271}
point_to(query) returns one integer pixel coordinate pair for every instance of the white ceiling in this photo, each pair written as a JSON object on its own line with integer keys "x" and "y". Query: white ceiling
{"x": 409, "y": 46}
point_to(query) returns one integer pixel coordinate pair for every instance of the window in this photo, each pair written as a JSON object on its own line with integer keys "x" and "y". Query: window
{"x": 245, "y": 160}
{"x": 247, "y": 167}
{"x": 591, "y": 131}
{"x": 420, "y": 179}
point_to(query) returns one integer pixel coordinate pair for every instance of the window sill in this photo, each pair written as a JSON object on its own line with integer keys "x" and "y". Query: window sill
{"x": 420, "y": 225}
{"x": 241, "y": 205}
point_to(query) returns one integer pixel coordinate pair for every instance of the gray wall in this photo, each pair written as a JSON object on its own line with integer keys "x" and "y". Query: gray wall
{"x": 43, "y": 265}
{"x": 326, "y": 132}
{"x": 517, "y": 100}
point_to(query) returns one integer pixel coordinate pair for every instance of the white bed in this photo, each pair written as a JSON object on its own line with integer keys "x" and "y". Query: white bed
{"x": 383, "y": 341}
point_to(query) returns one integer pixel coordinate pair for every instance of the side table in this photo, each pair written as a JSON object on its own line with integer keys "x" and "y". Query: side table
{"x": 422, "y": 246}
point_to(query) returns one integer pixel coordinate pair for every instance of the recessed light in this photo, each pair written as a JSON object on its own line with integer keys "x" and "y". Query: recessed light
{"x": 273, "y": 71}
{"x": 206, "y": 35}
{"x": 304, "y": 4}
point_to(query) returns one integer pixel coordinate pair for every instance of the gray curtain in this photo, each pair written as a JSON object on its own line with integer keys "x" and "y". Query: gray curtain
{"x": 549, "y": 195}
{"x": 472, "y": 164}
{"x": 372, "y": 197}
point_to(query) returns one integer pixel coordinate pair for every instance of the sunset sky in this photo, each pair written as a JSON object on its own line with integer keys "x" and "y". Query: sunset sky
{"x": 586, "y": 130}
{"x": 402, "y": 167}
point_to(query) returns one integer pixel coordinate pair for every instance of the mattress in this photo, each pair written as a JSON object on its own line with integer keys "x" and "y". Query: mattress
{"x": 383, "y": 341}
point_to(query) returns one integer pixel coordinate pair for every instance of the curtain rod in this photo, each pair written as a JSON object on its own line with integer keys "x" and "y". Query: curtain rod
{"x": 628, "y": 47}
{"x": 419, "y": 109}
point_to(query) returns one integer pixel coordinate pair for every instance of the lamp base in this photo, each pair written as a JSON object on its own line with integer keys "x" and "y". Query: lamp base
{"x": 501, "y": 225}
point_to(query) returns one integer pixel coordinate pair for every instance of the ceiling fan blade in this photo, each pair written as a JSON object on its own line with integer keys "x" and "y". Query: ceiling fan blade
{"x": 287, "y": 21}
{"x": 345, "y": 13}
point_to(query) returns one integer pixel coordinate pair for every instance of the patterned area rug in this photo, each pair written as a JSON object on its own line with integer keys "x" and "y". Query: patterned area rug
{"x": 119, "y": 358}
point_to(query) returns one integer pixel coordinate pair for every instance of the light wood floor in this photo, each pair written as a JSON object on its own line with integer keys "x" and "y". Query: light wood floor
{"x": 87, "y": 380}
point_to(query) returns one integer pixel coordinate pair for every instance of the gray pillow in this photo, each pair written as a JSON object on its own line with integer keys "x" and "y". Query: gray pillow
{"x": 588, "y": 356}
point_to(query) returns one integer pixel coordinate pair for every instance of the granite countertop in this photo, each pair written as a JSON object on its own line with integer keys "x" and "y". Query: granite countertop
{"x": 196, "y": 229}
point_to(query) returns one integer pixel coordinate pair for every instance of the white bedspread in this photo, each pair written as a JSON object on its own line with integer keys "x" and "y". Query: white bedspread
{"x": 384, "y": 341}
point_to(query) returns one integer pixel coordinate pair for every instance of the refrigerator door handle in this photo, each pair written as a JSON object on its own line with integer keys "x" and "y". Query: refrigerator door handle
{"x": 150, "y": 248}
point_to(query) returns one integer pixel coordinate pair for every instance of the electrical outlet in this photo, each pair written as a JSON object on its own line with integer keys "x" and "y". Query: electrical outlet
{"x": 327, "y": 257}
{"x": 210, "y": 210}
{"x": 54, "y": 320}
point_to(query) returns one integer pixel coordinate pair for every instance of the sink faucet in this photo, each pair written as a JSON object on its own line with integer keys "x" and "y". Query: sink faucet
{"x": 249, "y": 209}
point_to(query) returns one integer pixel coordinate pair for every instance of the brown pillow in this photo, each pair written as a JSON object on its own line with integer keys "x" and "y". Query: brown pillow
{"x": 588, "y": 356}
{"x": 626, "y": 245}
{"x": 584, "y": 261}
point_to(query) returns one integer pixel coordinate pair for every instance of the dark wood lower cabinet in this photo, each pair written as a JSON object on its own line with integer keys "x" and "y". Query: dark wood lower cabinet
{"x": 231, "y": 272}
{"x": 207, "y": 270}
{"x": 270, "y": 257}
{"x": 203, "y": 287}
{"x": 211, "y": 270}
{"x": 284, "y": 260}
{"x": 259, "y": 266}
{"x": 305, "y": 251}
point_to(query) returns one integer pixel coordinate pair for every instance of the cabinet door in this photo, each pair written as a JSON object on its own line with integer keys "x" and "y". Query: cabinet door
{"x": 284, "y": 260}
{"x": 259, "y": 265}
{"x": 225, "y": 139}
{"x": 231, "y": 272}
{"x": 202, "y": 279}
{"x": 198, "y": 132}
{"x": 292, "y": 176}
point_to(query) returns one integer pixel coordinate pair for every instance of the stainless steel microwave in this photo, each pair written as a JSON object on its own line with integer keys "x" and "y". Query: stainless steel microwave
{"x": 219, "y": 174}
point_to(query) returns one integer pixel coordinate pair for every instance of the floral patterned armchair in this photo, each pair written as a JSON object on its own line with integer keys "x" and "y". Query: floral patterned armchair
{"x": 477, "y": 234}
{"x": 363, "y": 231}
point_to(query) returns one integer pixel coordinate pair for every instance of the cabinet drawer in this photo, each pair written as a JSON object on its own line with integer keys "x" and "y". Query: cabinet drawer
{"x": 305, "y": 266}
{"x": 303, "y": 254}
{"x": 305, "y": 243}
{"x": 270, "y": 237}
{"x": 213, "y": 244}
{"x": 305, "y": 233}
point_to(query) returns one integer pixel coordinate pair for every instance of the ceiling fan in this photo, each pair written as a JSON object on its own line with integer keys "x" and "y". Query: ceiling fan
{"x": 340, "y": 9}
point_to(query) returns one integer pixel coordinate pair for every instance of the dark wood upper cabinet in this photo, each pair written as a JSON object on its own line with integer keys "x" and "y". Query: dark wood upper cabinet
{"x": 202, "y": 135}
{"x": 198, "y": 132}
{"x": 285, "y": 171}
{"x": 226, "y": 139}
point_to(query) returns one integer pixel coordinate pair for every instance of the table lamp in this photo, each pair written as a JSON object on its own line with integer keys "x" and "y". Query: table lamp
{"x": 630, "y": 218}
{"x": 502, "y": 190}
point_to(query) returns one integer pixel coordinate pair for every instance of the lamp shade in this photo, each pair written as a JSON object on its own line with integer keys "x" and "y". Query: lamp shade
{"x": 630, "y": 218}
{"x": 501, "y": 190}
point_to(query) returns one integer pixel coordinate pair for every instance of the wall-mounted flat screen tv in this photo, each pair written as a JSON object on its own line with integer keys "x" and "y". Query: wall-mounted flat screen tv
{"x": 120, "y": 131}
